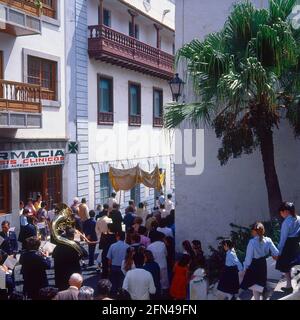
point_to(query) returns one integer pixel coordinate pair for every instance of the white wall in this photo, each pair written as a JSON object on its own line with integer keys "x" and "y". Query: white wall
{"x": 236, "y": 192}
{"x": 51, "y": 42}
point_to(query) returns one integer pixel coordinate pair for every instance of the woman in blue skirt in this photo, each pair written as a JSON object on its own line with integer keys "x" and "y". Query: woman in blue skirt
{"x": 229, "y": 280}
{"x": 289, "y": 249}
{"x": 255, "y": 265}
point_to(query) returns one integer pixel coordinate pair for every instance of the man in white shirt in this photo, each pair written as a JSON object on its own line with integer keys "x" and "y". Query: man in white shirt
{"x": 169, "y": 204}
{"x": 139, "y": 282}
{"x": 101, "y": 224}
{"x": 111, "y": 201}
{"x": 159, "y": 251}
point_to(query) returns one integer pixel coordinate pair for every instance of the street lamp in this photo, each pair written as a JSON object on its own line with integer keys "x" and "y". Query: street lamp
{"x": 176, "y": 85}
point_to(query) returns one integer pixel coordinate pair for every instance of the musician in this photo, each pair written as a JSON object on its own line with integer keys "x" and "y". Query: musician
{"x": 66, "y": 261}
{"x": 27, "y": 231}
{"x": 34, "y": 265}
{"x": 10, "y": 244}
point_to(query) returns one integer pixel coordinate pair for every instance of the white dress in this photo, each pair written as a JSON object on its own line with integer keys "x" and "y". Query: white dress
{"x": 198, "y": 285}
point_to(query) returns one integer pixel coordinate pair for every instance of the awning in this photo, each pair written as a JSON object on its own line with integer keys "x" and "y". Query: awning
{"x": 126, "y": 179}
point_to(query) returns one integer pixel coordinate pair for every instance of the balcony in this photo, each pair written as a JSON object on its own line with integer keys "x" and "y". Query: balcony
{"x": 19, "y": 17}
{"x": 117, "y": 48}
{"x": 20, "y": 105}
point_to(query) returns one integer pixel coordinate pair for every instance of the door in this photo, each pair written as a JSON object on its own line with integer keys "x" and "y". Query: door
{"x": 52, "y": 185}
{"x": 1, "y": 73}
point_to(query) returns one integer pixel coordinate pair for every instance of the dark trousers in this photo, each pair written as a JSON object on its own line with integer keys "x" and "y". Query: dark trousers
{"x": 92, "y": 248}
{"x": 105, "y": 268}
{"x": 116, "y": 278}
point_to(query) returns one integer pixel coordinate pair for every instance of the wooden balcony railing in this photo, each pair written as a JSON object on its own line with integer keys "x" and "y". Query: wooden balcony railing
{"x": 30, "y": 7}
{"x": 105, "y": 118}
{"x": 117, "y": 48}
{"x": 134, "y": 120}
{"x": 20, "y": 97}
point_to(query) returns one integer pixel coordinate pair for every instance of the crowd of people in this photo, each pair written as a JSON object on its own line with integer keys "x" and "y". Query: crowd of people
{"x": 134, "y": 255}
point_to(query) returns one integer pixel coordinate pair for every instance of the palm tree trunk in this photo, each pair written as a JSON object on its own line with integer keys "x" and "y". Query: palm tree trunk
{"x": 272, "y": 183}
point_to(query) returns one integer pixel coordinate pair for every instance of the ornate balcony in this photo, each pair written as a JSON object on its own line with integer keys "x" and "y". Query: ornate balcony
{"x": 20, "y": 105}
{"x": 19, "y": 17}
{"x": 117, "y": 48}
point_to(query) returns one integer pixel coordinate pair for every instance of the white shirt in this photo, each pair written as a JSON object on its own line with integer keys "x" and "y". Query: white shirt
{"x": 101, "y": 225}
{"x": 159, "y": 251}
{"x": 169, "y": 205}
{"x": 111, "y": 202}
{"x": 166, "y": 231}
{"x": 139, "y": 283}
{"x": 164, "y": 213}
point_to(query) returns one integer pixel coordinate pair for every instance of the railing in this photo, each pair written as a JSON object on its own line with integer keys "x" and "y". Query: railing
{"x": 20, "y": 97}
{"x": 158, "y": 122}
{"x": 129, "y": 48}
{"x": 30, "y": 7}
{"x": 105, "y": 118}
{"x": 135, "y": 120}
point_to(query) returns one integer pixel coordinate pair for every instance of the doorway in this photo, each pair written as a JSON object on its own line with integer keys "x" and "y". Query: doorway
{"x": 46, "y": 181}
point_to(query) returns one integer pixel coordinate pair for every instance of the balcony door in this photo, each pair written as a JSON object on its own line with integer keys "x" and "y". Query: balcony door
{"x": 1, "y": 72}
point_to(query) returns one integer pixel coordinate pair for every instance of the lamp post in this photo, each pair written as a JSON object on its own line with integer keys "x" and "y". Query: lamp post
{"x": 176, "y": 86}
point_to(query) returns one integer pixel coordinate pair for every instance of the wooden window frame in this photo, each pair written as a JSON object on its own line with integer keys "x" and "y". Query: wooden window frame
{"x": 50, "y": 11}
{"x": 106, "y": 118}
{"x": 158, "y": 121}
{"x": 135, "y": 120}
{"x": 7, "y": 193}
{"x": 46, "y": 94}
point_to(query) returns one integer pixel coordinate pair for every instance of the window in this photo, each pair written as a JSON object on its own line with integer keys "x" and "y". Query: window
{"x": 105, "y": 187}
{"x": 134, "y": 104}
{"x": 49, "y": 8}
{"x": 107, "y": 18}
{"x": 43, "y": 72}
{"x": 136, "y": 31}
{"x": 157, "y": 107}
{"x": 4, "y": 192}
{"x": 135, "y": 194}
{"x": 105, "y": 100}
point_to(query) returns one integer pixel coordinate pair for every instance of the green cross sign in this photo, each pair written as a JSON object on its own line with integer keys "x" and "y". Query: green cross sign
{"x": 73, "y": 147}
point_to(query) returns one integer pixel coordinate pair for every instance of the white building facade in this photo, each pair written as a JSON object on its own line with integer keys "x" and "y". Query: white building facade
{"x": 234, "y": 193}
{"x": 118, "y": 88}
{"x": 33, "y": 134}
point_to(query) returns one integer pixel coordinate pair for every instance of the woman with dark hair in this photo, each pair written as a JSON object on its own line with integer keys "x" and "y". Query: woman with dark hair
{"x": 128, "y": 263}
{"x": 34, "y": 265}
{"x": 199, "y": 259}
{"x": 153, "y": 267}
{"x": 187, "y": 248}
{"x": 178, "y": 289}
{"x": 289, "y": 250}
{"x": 255, "y": 264}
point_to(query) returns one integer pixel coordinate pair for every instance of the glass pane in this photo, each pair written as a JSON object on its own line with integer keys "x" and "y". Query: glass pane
{"x": 104, "y": 95}
{"x": 106, "y": 18}
{"x": 134, "y": 100}
{"x": 105, "y": 187}
{"x": 157, "y": 104}
{"x": 47, "y": 75}
{"x": 34, "y": 70}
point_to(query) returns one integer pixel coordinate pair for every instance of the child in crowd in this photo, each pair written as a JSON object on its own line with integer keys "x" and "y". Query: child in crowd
{"x": 229, "y": 281}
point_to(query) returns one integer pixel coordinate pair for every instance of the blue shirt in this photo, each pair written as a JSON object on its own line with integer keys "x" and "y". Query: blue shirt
{"x": 117, "y": 252}
{"x": 290, "y": 228}
{"x": 232, "y": 260}
{"x": 258, "y": 249}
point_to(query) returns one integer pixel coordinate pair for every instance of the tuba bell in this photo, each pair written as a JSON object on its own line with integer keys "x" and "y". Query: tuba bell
{"x": 62, "y": 220}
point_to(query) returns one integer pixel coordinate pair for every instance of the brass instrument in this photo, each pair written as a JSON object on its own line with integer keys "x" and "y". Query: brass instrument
{"x": 63, "y": 219}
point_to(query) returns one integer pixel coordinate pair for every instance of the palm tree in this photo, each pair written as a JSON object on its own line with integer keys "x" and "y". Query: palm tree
{"x": 241, "y": 77}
